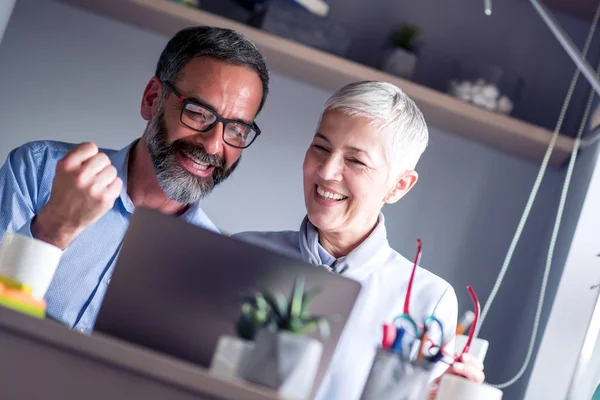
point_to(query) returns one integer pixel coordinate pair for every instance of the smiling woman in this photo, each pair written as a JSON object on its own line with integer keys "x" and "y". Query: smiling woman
{"x": 347, "y": 179}
{"x": 363, "y": 156}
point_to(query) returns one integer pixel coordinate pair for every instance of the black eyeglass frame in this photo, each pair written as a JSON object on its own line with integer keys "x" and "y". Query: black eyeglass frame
{"x": 187, "y": 100}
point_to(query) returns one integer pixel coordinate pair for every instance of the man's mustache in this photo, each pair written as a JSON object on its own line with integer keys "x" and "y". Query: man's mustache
{"x": 197, "y": 153}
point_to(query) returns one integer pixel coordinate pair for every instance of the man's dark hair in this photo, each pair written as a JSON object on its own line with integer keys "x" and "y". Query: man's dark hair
{"x": 205, "y": 41}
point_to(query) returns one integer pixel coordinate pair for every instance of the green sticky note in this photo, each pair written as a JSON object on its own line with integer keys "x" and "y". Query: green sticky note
{"x": 24, "y": 308}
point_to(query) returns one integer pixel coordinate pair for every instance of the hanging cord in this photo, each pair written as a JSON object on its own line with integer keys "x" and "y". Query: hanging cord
{"x": 538, "y": 180}
{"x": 529, "y": 206}
{"x": 557, "y": 222}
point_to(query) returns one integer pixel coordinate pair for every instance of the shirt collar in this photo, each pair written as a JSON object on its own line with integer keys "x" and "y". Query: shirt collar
{"x": 326, "y": 258}
{"x": 120, "y": 160}
{"x": 360, "y": 262}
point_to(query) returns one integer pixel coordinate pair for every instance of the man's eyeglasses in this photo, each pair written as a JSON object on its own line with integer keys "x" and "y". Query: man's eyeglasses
{"x": 202, "y": 118}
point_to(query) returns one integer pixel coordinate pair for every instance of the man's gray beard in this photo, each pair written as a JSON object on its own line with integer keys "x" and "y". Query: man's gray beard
{"x": 177, "y": 183}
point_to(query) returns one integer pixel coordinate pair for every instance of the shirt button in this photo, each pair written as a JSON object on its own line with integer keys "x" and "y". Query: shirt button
{"x": 82, "y": 330}
{"x": 108, "y": 281}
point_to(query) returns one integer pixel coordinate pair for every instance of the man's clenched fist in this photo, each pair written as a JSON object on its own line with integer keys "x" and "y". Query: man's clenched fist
{"x": 85, "y": 187}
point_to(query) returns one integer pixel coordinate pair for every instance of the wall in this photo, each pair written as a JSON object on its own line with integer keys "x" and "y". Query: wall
{"x": 513, "y": 37}
{"x": 5, "y": 12}
{"x": 73, "y": 76}
{"x": 569, "y": 316}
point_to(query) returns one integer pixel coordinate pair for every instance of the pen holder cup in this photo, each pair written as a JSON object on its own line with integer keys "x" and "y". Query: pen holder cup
{"x": 394, "y": 377}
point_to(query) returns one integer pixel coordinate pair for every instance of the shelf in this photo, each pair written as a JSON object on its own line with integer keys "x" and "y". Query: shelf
{"x": 584, "y": 9}
{"x": 331, "y": 72}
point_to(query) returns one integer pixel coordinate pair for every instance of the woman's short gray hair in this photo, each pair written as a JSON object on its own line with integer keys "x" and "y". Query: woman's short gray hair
{"x": 390, "y": 111}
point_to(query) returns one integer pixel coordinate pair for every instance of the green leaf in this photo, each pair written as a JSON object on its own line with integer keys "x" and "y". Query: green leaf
{"x": 320, "y": 323}
{"x": 261, "y": 303}
{"x": 246, "y": 327}
{"x": 277, "y": 305}
{"x": 308, "y": 299}
{"x": 247, "y": 308}
{"x": 296, "y": 325}
{"x": 405, "y": 37}
{"x": 273, "y": 312}
{"x": 295, "y": 306}
{"x": 308, "y": 327}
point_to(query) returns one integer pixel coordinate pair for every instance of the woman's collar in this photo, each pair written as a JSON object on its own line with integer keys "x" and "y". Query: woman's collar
{"x": 359, "y": 262}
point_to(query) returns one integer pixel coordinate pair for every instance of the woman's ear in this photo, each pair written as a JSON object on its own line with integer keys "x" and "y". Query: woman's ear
{"x": 403, "y": 185}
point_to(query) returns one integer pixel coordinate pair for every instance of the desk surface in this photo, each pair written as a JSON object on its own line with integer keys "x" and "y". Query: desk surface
{"x": 41, "y": 359}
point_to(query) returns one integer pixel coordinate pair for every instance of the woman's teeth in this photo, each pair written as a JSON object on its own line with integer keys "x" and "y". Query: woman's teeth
{"x": 329, "y": 196}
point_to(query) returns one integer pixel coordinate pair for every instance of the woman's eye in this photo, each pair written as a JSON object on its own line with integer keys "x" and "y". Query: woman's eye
{"x": 320, "y": 148}
{"x": 355, "y": 161}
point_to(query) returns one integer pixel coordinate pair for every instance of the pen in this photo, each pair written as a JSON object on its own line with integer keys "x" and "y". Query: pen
{"x": 398, "y": 347}
{"x": 421, "y": 353}
{"x": 389, "y": 336}
{"x": 465, "y": 322}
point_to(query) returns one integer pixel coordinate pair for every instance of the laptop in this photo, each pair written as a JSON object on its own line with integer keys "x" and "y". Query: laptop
{"x": 176, "y": 288}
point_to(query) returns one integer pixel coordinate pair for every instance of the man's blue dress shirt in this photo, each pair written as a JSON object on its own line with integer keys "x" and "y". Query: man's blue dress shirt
{"x": 83, "y": 275}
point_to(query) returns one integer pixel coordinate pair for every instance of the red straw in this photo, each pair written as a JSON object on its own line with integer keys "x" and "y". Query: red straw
{"x": 412, "y": 277}
{"x": 473, "y": 325}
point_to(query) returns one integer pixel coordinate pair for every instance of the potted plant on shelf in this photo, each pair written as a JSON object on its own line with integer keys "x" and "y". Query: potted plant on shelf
{"x": 284, "y": 357}
{"x": 401, "y": 58}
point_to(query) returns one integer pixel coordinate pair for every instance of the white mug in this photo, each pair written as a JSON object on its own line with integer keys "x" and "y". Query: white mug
{"x": 29, "y": 261}
{"x": 457, "y": 388}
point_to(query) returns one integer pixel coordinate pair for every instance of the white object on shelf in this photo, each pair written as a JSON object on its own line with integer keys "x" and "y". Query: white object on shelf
{"x": 479, "y": 99}
{"x": 400, "y": 62}
{"x": 491, "y": 104}
{"x": 317, "y": 7}
{"x": 490, "y": 92}
{"x": 505, "y": 105}
{"x": 482, "y": 94}
{"x": 464, "y": 91}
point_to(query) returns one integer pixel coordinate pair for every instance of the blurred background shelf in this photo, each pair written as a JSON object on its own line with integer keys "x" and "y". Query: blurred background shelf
{"x": 330, "y": 72}
{"x": 579, "y": 8}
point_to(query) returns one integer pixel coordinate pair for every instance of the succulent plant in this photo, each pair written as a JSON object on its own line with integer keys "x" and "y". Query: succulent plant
{"x": 405, "y": 38}
{"x": 272, "y": 311}
{"x": 255, "y": 315}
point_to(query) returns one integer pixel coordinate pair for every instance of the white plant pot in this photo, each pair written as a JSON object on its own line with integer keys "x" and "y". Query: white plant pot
{"x": 284, "y": 362}
{"x": 228, "y": 356}
{"x": 400, "y": 62}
